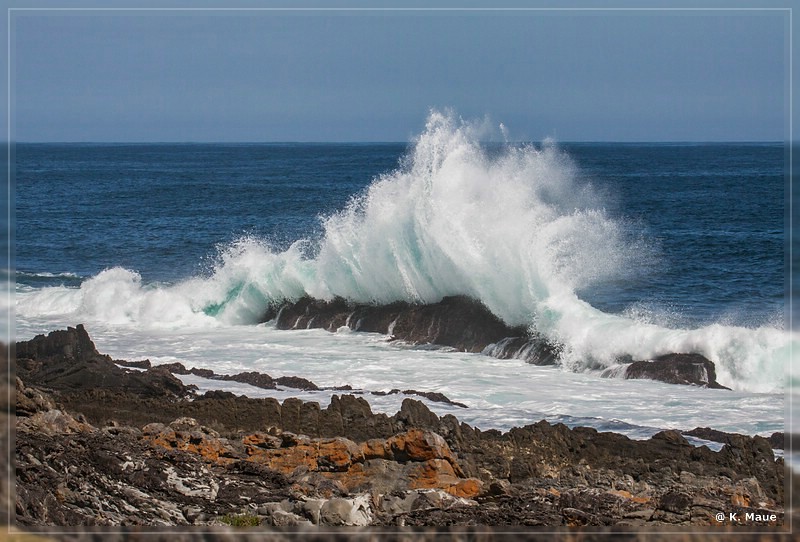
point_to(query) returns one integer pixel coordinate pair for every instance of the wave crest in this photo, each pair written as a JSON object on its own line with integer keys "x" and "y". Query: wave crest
{"x": 513, "y": 226}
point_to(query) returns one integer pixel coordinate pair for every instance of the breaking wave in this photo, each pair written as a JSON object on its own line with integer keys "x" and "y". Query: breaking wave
{"x": 509, "y": 225}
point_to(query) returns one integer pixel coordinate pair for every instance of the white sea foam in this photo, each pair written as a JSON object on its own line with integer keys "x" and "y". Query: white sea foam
{"x": 500, "y": 393}
{"x": 513, "y": 228}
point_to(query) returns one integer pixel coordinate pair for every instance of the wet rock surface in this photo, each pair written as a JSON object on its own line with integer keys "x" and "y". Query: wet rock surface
{"x": 265, "y": 381}
{"x": 467, "y": 325}
{"x": 691, "y": 369}
{"x": 101, "y": 455}
{"x": 457, "y": 321}
{"x": 776, "y": 440}
{"x": 431, "y": 396}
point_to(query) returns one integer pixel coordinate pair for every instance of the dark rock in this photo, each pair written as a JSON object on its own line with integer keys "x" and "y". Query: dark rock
{"x": 672, "y": 436}
{"x": 435, "y": 397}
{"x": 429, "y": 395}
{"x": 216, "y": 394}
{"x": 675, "y": 502}
{"x": 68, "y": 360}
{"x": 309, "y": 419}
{"x": 176, "y": 368}
{"x": 358, "y": 421}
{"x": 203, "y": 373}
{"x": 676, "y": 369}
{"x": 533, "y": 349}
{"x": 776, "y": 441}
{"x": 466, "y": 324}
{"x": 393, "y": 391}
{"x": 706, "y": 433}
{"x": 259, "y": 380}
{"x": 296, "y": 382}
{"x": 415, "y": 414}
{"x": 72, "y": 344}
{"x": 253, "y": 378}
{"x": 457, "y": 321}
{"x": 291, "y": 419}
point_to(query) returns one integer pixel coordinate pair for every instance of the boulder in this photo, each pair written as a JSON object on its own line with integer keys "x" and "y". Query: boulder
{"x": 691, "y": 369}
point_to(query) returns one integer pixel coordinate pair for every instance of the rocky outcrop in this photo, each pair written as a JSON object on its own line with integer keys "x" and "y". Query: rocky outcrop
{"x": 68, "y": 360}
{"x": 95, "y": 454}
{"x": 253, "y": 378}
{"x": 691, "y": 369}
{"x": 70, "y": 472}
{"x": 414, "y": 459}
{"x": 429, "y": 395}
{"x": 457, "y": 321}
{"x": 776, "y": 440}
{"x": 467, "y": 325}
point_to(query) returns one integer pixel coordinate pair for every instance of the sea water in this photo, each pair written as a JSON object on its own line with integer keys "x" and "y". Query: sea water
{"x": 615, "y": 251}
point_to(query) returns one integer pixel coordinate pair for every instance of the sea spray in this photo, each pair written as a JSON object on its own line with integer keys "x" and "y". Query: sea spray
{"x": 514, "y": 227}
{"x": 509, "y": 228}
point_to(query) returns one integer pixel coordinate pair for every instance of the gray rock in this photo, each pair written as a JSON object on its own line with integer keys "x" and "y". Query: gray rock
{"x": 396, "y": 504}
{"x": 312, "y": 509}
{"x": 282, "y": 518}
{"x": 352, "y": 512}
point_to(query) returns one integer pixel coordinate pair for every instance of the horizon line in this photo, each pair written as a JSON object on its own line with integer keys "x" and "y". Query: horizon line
{"x": 389, "y": 142}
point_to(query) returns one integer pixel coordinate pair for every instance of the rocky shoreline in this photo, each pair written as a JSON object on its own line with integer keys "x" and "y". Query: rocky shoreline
{"x": 98, "y": 444}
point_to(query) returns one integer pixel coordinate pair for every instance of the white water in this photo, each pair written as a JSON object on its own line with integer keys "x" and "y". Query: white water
{"x": 513, "y": 229}
{"x": 499, "y": 393}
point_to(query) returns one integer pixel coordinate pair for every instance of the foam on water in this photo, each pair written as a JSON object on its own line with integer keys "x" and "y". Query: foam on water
{"x": 510, "y": 226}
{"x": 499, "y": 393}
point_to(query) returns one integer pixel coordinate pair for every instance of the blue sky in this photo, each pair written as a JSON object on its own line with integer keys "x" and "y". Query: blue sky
{"x": 373, "y": 76}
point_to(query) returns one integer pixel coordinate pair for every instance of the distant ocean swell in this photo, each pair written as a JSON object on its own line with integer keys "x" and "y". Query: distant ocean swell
{"x": 510, "y": 227}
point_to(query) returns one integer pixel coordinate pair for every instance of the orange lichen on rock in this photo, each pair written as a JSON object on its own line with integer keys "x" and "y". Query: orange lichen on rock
{"x": 414, "y": 459}
{"x": 323, "y": 455}
{"x": 187, "y": 435}
{"x": 467, "y": 488}
{"x": 376, "y": 449}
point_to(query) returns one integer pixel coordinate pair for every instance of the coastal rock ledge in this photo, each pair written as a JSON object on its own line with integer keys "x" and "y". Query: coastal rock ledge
{"x": 97, "y": 454}
{"x": 467, "y": 325}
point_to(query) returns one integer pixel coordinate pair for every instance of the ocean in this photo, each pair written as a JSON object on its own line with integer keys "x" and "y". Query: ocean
{"x": 172, "y": 252}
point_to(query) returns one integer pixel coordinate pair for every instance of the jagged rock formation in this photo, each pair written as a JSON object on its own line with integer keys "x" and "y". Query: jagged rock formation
{"x": 457, "y": 321}
{"x": 467, "y": 325}
{"x": 67, "y": 359}
{"x": 84, "y": 457}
